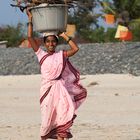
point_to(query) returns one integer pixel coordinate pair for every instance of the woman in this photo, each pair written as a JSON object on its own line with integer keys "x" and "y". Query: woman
{"x": 60, "y": 92}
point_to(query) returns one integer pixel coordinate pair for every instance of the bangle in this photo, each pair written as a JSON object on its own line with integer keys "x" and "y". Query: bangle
{"x": 69, "y": 39}
{"x": 29, "y": 23}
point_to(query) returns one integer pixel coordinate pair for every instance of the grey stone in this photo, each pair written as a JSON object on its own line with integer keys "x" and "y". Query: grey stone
{"x": 94, "y": 58}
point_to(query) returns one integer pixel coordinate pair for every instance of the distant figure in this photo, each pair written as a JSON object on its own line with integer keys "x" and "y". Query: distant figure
{"x": 61, "y": 93}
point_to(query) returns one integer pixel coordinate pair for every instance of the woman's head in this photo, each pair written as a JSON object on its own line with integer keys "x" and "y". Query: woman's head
{"x": 50, "y": 42}
{"x": 45, "y": 38}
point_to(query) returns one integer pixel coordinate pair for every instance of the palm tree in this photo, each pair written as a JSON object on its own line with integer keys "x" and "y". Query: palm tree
{"x": 83, "y": 17}
{"x": 125, "y": 11}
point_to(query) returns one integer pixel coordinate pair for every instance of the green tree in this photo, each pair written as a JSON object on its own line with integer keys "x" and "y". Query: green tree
{"x": 109, "y": 35}
{"x": 96, "y": 35}
{"x": 83, "y": 17}
{"x": 13, "y": 34}
{"x": 136, "y": 33}
{"x": 125, "y": 11}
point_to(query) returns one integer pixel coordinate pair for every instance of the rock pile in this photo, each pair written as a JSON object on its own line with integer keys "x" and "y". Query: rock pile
{"x": 96, "y": 58}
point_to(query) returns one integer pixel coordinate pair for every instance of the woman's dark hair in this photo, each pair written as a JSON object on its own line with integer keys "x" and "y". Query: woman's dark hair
{"x": 44, "y": 39}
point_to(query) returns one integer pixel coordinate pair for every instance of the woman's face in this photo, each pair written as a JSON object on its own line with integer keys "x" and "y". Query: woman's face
{"x": 51, "y": 43}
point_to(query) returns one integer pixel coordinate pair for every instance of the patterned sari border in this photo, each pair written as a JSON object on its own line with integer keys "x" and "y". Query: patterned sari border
{"x": 60, "y": 130}
{"x": 83, "y": 94}
{"x": 44, "y": 95}
{"x": 43, "y": 58}
{"x": 80, "y": 96}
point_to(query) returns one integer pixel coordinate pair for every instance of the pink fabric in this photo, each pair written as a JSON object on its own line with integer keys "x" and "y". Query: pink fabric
{"x": 60, "y": 94}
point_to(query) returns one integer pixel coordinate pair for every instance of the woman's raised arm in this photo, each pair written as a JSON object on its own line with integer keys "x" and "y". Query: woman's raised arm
{"x": 31, "y": 39}
{"x": 73, "y": 46}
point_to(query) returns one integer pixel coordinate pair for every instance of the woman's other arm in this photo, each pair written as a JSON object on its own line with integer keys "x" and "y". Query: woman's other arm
{"x": 73, "y": 46}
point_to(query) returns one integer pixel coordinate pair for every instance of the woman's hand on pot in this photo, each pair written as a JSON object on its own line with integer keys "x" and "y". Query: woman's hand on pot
{"x": 63, "y": 34}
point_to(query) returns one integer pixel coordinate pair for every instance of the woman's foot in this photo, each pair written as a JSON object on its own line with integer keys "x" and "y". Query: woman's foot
{"x": 59, "y": 138}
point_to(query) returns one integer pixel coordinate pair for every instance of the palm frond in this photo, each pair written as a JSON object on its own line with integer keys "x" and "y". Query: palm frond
{"x": 107, "y": 7}
{"x": 135, "y": 23}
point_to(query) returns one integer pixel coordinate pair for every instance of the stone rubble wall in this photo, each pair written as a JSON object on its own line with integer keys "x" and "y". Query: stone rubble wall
{"x": 98, "y": 58}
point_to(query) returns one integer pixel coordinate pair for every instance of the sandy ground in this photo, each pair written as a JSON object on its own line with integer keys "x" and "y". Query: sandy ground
{"x": 111, "y": 111}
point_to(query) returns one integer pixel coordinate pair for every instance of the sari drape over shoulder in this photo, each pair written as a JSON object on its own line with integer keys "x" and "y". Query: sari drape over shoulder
{"x": 60, "y": 94}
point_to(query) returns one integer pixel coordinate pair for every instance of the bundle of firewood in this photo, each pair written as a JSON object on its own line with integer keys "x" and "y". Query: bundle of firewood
{"x": 23, "y": 4}
{"x": 37, "y": 2}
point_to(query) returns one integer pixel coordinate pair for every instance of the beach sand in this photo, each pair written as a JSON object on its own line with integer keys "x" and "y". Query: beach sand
{"x": 110, "y": 112}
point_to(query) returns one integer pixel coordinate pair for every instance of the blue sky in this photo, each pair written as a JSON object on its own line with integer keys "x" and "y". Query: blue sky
{"x": 10, "y": 15}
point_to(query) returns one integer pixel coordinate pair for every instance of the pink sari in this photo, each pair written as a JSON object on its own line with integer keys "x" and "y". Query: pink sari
{"x": 60, "y": 95}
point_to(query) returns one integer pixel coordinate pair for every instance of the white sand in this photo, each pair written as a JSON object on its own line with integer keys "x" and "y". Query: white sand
{"x": 111, "y": 111}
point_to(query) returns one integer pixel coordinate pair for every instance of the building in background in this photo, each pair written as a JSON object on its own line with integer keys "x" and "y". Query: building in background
{"x": 3, "y": 44}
